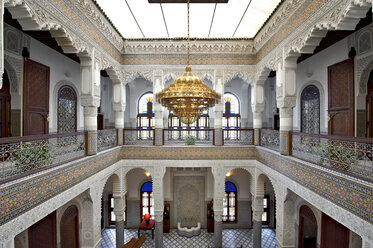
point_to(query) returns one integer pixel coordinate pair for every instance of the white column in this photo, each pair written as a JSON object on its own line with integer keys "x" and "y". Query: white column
{"x": 158, "y": 109}
{"x": 7, "y": 243}
{"x": 257, "y": 207}
{"x": 91, "y": 219}
{"x": 119, "y": 207}
{"x": 219, "y": 191}
{"x": 90, "y": 97}
{"x": 367, "y": 243}
{"x": 157, "y": 176}
{"x": 285, "y": 218}
{"x": 286, "y": 88}
{"x": 218, "y": 119}
{"x": 257, "y": 106}
{"x": 119, "y": 105}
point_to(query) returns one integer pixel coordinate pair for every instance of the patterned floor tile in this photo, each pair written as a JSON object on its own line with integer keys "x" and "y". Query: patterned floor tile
{"x": 232, "y": 238}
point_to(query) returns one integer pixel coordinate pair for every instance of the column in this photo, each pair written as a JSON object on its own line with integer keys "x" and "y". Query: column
{"x": 157, "y": 176}
{"x": 7, "y": 243}
{"x": 219, "y": 191}
{"x": 367, "y": 243}
{"x": 158, "y": 109}
{"x": 91, "y": 219}
{"x": 285, "y": 217}
{"x": 218, "y": 118}
{"x": 119, "y": 206}
{"x": 257, "y": 106}
{"x": 286, "y": 99}
{"x": 119, "y": 105}
{"x": 257, "y": 206}
{"x": 90, "y": 97}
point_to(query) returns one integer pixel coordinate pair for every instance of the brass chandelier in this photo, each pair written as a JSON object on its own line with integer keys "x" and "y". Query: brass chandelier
{"x": 187, "y": 97}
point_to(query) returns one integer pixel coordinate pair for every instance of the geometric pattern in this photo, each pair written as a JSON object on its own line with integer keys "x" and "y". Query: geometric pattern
{"x": 350, "y": 195}
{"x": 231, "y": 238}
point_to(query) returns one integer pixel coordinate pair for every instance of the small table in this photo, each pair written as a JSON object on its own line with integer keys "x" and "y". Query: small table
{"x": 144, "y": 226}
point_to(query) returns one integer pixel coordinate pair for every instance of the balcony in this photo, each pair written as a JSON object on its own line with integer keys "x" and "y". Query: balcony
{"x": 22, "y": 156}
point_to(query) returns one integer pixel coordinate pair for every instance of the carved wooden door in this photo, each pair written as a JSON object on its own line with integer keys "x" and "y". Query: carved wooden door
{"x": 341, "y": 98}
{"x": 333, "y": 234}
{"x": 5, "y": 107}
{"x": 35, "y": 98}
{"x": 43, "y": 234}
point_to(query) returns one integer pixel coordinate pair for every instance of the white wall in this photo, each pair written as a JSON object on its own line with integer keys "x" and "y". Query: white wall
{"x": 63, "y": 70}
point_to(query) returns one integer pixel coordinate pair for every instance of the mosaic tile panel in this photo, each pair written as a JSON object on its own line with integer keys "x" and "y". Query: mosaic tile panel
{"x": 23, "y": 196}
{"x": 189, "y": 153}
{"x": 352, "y": 196}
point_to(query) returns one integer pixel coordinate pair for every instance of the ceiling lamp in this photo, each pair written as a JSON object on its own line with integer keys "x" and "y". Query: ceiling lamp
{"x": 187, "y": 97}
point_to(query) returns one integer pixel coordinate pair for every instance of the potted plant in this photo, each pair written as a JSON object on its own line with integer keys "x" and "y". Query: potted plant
{"x": 31, "y": 156}
{"x": 190, "y": 139}
{"x": 337, "y": 156}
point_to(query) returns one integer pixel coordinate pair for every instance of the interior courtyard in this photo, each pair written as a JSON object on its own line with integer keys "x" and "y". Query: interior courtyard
{"x": 91, "y": 156}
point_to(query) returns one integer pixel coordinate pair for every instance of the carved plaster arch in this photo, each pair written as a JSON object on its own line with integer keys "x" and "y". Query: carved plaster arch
{"x": 364, "y": 67}
{"x": 117, "y": 184}
{"x": 249, "y": 170}
{"x": 14, "y": 68}
{"x": 230, "y": 75}
{"x": 130, "y": 76}
{"x": 259, "y": 184}
{"x": 169, "y": 76}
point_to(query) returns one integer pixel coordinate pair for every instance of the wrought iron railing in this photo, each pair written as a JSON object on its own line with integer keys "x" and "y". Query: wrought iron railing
{"x": 106, "y": 139}
{"x": 348, "y": 154}
{"x": 238, "y": 136}
{"x": 270, "y": 139}
{"x": 144, "y": 137}
{"x": 178, "y": 136}
{"x": 20, "y": 155}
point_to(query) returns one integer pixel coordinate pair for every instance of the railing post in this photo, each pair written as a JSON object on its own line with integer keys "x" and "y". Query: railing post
{"x": 257, "y": 133}
{"x": 120, "y": 139}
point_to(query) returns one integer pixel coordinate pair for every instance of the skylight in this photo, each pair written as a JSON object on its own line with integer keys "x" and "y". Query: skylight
{"x": 235, "y": 19}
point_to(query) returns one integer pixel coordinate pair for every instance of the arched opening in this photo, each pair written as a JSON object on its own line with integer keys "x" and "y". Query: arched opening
{"x": 147, "y": 200}
{"x": 145, "y": 116}
{"x": 230, "y": 203}
{"x": 369, "y": 106}
{"x": 310, "y": 110}
{"x": 69, "y": 228}
{"x": 66, "y": 110}
{"x": 5, "y": 107}
{"x": 307, "y": 237}
{"x": 231, "y": 116}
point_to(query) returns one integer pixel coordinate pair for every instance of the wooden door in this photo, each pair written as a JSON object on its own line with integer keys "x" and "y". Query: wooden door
{"x": 369, "y": 106}
{"x": 69, "y": 228}
{"x": 43, "y": 234}
{"x": 35, "y": 98}
{"x": 5, "y": 108}
{"x": 333, "y": 234}
{"x": 341, "y": 98}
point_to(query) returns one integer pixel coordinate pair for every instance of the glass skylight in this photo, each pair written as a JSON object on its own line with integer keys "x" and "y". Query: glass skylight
{"x": 151, "y": 24}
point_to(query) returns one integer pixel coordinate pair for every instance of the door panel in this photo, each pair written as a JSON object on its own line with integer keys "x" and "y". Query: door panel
{"x": 333, "y": 234}
{"x": 43, "y": 234}
{"x": 341, "y": 98}
{"x": 35, "y": 98}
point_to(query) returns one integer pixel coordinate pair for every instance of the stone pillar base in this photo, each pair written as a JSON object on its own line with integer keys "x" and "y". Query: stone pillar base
{"x": 218, "y": 234}
{"x": 257, "y": 136}
{"x": 218, "y": 136}
{"x": 91, "y": 142}
{"x": 119, "y": 136}
{"x": 158, "y": 136}
{"x": 285, "y": 147}
{"x": 158, "y": 234}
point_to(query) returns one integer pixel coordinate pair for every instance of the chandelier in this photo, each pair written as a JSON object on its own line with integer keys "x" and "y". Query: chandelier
{"x": 187, "y": 97}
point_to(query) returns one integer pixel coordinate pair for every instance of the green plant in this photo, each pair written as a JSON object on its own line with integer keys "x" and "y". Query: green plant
{"x": 190, "y": 139}
{"x": 338, "y": 156}
{"x": 31, "y": 156}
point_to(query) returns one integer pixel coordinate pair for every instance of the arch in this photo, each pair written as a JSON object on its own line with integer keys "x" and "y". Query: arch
{"x": 230, "y": 75}
{"x": 260, "y": 187}
{"x": 230, "y": 202}
{"x": 301, "y": 202}
{"x": 237, "y": 109}
{"x": 141, "y": 100}
{"x": 56, "y": 90}
{"x": 308, "y": 228}
{"x": 66, "y": 110}
{"x": 69, "y": 228}
{"x": 323, "y": 112}
{"x": 310, "y": 109}
{"x": 146, "y": 199}
{"x": 365, "y": 42}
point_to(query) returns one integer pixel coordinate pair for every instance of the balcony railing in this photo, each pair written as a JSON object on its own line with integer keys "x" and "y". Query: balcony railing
{"x": 270, "y": 139}
{"x": 142, "y": 137}
{"x": 106, "y": 138}
{"x": 21, "y": 155}
{"x": 177, "y": 136}
{"x": 238, "y": 136}
{"x": 348, "y": 154}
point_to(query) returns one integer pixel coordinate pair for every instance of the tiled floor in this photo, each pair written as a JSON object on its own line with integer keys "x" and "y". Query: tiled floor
{"x": 232, "y": 238}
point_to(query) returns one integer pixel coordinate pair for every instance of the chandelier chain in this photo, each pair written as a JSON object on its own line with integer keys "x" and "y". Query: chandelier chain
{"x": 188, "y": 34}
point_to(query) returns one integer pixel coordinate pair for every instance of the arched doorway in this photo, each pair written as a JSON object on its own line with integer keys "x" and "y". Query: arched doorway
{"x": 307, "y": 228}
{"x": 369, "y": 106}
{"x": 5, "y": 107}
{"x": 66, "y": 110}
{"x": 69, "y": 228}
{"x": 310, "y": 110}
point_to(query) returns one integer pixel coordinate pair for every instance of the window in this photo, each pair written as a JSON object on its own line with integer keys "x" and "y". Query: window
{"x": 111, "y": 210}
{"x": 265, "y": 214}
{"x": 147, "y": 201}
{"x": 230, "y": 203}
{"x": 201, "y": 123}
{"x": 231, "y": 116}
{"x": 310, "y": 112}
{"x": 145, "y": 116}
{"x": 66, "y": 110}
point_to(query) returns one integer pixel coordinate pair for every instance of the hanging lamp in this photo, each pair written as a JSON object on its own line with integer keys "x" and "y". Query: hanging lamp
{"x": 187, "y": 97}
